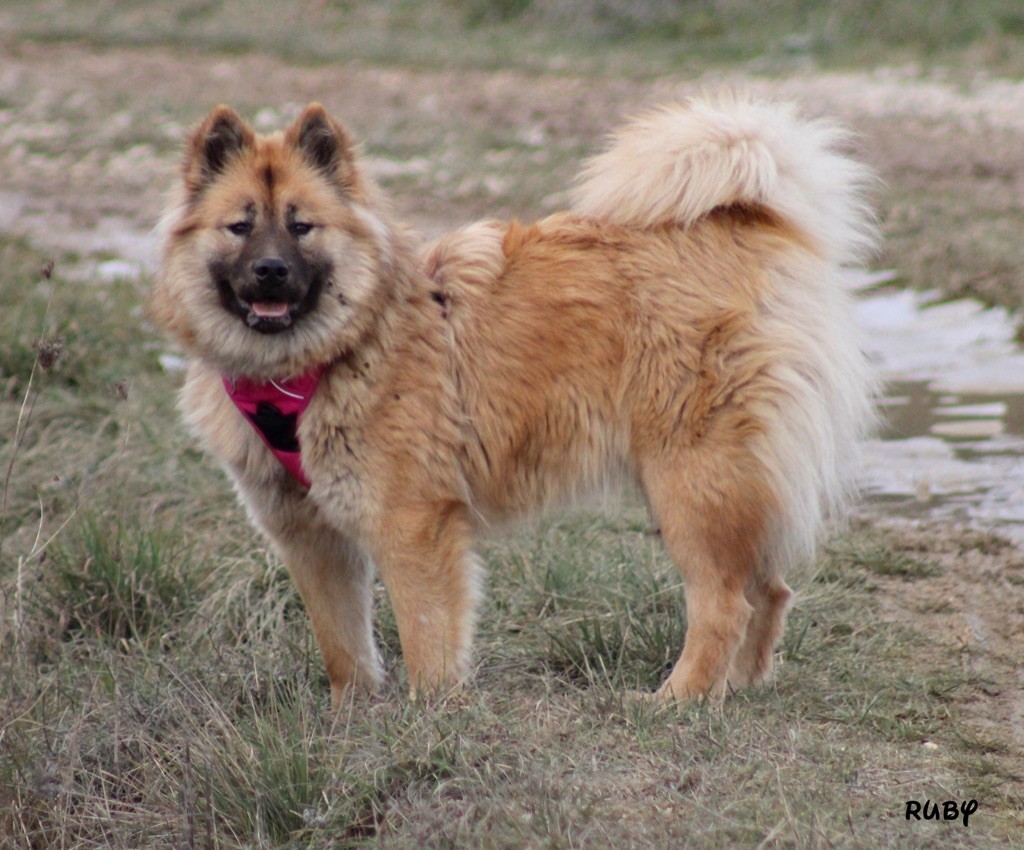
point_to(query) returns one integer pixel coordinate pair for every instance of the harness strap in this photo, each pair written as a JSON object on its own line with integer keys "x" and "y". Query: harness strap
{"x": 274, "y": 409}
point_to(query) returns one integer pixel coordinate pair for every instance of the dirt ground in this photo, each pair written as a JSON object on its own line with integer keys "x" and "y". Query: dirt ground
{"x": 88, "y": 148}
{"x": 970, "y": 608}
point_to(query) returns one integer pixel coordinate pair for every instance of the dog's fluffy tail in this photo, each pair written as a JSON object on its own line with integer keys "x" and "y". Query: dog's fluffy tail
{"x": 678, "y": 163}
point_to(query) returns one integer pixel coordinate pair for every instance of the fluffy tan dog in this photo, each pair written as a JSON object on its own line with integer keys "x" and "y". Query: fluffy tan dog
{"x": 375, "y": 402}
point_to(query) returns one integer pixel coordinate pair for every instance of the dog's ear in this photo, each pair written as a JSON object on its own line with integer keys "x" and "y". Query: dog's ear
{"x": 221, "y": 137}
{"x": 325, "y": 145}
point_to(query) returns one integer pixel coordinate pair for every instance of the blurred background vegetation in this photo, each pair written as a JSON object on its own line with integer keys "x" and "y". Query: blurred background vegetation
{"x": 632, "y": 35}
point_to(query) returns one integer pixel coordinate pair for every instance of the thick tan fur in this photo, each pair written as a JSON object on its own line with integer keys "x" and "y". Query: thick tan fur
{"x": 698, "y": 346}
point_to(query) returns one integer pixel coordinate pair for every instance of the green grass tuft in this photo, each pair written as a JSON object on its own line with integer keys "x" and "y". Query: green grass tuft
{"x": 114, "y": 583}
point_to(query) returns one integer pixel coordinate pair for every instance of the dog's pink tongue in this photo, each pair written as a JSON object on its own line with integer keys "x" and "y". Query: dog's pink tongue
{"x": 269, "y": 309}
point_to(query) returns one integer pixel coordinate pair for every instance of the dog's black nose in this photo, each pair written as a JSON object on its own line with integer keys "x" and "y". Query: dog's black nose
{"x": 270, "y": 270}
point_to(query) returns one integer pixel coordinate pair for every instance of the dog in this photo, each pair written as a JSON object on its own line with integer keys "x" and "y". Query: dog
{"x": 377, "y": 402}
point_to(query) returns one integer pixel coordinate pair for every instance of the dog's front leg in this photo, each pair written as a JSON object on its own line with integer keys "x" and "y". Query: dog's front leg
{"x": 335, "y": 583}
{"x": 432, "y": 578}
{"x": 333, "y": 577}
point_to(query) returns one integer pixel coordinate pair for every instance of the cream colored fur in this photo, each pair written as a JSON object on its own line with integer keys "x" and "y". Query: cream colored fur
{"x": 679, "y": 162}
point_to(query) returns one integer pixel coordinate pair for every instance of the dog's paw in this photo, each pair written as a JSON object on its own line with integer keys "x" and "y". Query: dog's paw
{"x": 652, "y": 701}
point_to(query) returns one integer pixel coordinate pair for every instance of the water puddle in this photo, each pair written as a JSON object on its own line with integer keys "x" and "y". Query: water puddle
{"x": 952, "y": 444}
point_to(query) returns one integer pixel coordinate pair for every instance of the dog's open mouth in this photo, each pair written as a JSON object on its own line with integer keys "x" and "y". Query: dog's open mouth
{"x": 269, "y": 316}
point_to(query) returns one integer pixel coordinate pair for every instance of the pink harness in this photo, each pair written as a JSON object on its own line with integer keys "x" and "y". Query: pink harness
{"x": 275, "y": 409}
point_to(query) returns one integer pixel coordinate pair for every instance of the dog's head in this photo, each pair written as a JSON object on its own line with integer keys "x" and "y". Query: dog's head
{"x": 276, "y": 252}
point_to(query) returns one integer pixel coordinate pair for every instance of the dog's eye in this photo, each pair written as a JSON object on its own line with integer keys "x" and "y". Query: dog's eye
{"x": 241, "y": 228}
{"x": 299, "y": 228}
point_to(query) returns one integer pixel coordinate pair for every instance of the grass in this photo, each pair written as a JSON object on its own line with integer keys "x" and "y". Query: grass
{"x": 159, "y": 685}
{"x": 652, "y": 36}
{"x": 111, "y": 584}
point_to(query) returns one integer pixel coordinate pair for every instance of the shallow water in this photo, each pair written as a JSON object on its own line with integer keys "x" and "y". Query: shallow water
{"x": 952, "y": 443}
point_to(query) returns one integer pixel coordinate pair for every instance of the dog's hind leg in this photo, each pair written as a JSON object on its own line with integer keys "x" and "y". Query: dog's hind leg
{"x": 769, "y": 596}
{"x": 712, "y": 509}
